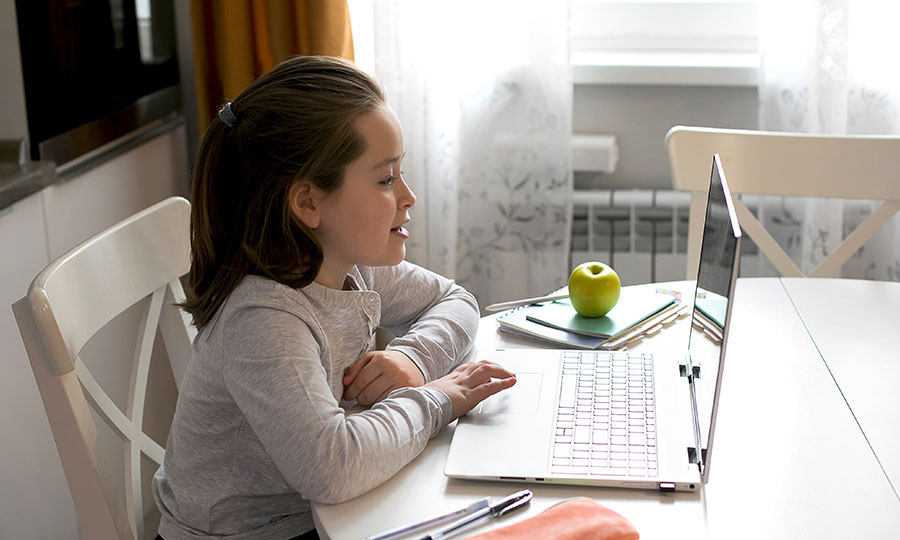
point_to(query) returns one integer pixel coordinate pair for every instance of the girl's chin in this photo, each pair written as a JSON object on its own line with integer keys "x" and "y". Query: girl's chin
{"x": 392, "y": 259}
{"x": 399, "y": 257}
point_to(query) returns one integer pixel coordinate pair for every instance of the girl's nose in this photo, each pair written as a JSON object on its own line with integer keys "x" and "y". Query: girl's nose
{"x": 407, "y": 197}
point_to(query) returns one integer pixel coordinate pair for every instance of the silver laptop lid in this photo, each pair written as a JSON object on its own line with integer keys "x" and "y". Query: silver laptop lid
{"x": 717, "y": 273}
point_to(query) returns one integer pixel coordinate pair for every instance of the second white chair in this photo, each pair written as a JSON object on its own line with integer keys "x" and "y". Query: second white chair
{"x": 787, "y": 164}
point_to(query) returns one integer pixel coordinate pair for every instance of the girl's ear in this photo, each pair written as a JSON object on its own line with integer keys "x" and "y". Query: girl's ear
{"x": 303, "y": 197}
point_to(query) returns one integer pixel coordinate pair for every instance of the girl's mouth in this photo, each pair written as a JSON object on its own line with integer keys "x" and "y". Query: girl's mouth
{"x": 400, "y": 231}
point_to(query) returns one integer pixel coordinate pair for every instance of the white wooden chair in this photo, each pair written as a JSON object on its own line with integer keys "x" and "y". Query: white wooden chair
{"x": 68, "y": 303}
{"x": 787, "y": 164}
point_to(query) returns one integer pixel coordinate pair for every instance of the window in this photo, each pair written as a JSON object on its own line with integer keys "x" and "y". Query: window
{"x": 710, "y": 42}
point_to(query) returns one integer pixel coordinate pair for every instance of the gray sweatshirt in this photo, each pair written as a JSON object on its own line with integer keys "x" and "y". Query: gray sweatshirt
{"x": 259, "y": 429}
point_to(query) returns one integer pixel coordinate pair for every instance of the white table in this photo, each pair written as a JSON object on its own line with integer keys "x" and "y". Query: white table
{"x": 790, "y": 460}
{"x": 856, "y": 326}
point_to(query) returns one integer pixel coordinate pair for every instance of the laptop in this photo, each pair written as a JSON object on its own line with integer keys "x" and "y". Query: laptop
{"x": 614, "y": 418}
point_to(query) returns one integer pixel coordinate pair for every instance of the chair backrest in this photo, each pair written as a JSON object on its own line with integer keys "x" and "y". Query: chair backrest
{"x": 139, "y": 259}
{"x": 788, "y": 164}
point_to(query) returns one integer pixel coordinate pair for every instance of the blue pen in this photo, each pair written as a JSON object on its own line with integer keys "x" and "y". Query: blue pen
{"x": 506, "y": 505}
{"x": 474, "y": 507}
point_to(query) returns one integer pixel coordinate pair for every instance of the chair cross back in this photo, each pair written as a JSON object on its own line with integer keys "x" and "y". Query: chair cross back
{"x": 67, "y": 304}
{"x": 787, "y": 164}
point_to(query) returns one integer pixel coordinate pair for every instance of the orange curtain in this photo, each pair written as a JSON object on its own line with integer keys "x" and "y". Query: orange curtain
{"x": 236, "y": 41}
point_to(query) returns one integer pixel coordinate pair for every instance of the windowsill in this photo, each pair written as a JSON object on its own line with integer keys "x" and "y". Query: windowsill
{"x": 665, "y": 68}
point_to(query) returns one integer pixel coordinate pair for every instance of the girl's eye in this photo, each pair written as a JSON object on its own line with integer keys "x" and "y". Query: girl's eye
{"x": 389, "y": 180}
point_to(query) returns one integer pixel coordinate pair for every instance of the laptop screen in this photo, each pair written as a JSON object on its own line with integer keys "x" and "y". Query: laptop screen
{"x": 716, "y": 276}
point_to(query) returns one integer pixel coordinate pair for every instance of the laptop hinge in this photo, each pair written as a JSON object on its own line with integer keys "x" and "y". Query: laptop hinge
{"x": 692, "y": 455}
{"x": 688, "y": 361}
{"x": 683, "y": 370}
{"x": 695, "y": 456}
{"x": 696, "y": 459}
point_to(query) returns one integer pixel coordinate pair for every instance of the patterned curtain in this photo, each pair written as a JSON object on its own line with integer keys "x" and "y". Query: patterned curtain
{"x": 484, "y": 93}
{"x": 829, "y": 66}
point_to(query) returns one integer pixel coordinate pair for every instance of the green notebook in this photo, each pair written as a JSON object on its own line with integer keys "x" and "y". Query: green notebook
{"x": 713, "y": 306}
{"x": 636, "y": 303}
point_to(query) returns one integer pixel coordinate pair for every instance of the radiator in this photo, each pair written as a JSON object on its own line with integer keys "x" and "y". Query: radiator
{"x": 641, "y": 233}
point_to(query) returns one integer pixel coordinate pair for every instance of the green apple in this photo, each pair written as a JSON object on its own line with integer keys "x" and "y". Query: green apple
{"x": 594, "y": 289}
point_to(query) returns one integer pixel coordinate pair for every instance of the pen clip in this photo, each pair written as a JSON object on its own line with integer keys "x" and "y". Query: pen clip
{"x": 480, "y": 504}
{"x": 502, "y": 507}
{"x": 518, "y": 500}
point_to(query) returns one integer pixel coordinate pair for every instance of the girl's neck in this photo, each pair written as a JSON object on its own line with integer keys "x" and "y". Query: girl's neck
{"x": 332, "y": 278}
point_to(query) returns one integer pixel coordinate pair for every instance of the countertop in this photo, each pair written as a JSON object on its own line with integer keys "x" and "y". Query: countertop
{"x": 19, "y": 180}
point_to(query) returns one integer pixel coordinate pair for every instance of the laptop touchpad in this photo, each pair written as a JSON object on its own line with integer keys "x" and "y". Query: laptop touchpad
{"x": 523, "y": 398}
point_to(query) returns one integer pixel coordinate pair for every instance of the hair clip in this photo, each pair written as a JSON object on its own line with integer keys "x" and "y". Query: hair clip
{"x": 226, "y": 115}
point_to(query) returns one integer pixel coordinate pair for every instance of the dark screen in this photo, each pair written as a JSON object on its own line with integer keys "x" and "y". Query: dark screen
{"x": 717, "y": 270}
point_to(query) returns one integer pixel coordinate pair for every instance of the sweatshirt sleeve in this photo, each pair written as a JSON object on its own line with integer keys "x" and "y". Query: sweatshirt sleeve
{"x": 274, "y": 373}
{"x": 435, "y": 320}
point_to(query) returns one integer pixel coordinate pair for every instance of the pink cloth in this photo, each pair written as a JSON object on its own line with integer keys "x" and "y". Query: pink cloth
{"x": 576, "y": 519}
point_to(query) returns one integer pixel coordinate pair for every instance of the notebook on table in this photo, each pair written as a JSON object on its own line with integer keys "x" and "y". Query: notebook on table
{"x": 517, "y": 322}
{"x": 636, "y": 304}
{"x": 639, "y": 309}
{"x": 618, "y": 419}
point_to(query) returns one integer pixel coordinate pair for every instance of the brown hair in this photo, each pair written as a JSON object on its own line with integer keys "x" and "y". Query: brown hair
{"x": 295, "y": 122}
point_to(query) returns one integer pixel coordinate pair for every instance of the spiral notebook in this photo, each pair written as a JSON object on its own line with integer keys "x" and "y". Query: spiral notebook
{"x": 516, "y": 322}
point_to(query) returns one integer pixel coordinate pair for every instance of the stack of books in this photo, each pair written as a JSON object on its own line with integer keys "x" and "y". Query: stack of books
{"x": 710, "y": 317}
{"x": 642, "y": 310}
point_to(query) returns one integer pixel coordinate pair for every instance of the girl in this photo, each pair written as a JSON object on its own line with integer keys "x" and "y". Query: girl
{"x": 297, "y": 256}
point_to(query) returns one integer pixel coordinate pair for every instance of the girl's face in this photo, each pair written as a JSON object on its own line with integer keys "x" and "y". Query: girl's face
{"x": 362, "y": 221}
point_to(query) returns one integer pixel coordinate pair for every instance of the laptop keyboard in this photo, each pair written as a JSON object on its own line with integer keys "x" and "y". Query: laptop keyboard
{"x": 606, "y": 420}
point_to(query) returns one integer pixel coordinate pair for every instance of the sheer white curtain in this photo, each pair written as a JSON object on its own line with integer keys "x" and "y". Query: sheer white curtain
{"x": 484, "y": 93}
{"x": 830, "y": 66}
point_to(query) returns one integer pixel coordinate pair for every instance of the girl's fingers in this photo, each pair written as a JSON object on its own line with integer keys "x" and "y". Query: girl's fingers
{"x": 483, "y": 368}
{"x": 464, "y": 368}
{"x": 355, "y": 368}
{"x": 484, "y": 371}
{"x": 483, "y": 391}
{"x": 471, "y": 383}
{"x": 383, "y": 395}
{"x": 361, "y": 378}
{"x": 374, "y": 388}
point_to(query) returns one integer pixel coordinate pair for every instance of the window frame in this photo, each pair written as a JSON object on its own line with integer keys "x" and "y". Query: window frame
{"x": 664, "y": 42}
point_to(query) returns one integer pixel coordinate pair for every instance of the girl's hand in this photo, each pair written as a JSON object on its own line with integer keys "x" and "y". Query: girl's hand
{"x": 377, "y": 373}
{"x": 469, "y": 384}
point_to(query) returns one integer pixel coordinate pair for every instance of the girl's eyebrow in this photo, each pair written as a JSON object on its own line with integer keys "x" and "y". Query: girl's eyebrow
{"x": 390, "y": 160}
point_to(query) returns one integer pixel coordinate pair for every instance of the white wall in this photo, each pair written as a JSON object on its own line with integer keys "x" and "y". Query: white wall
{"x": 12, "y": 93}
{"x": 34, "y": 497}
{"x": 115, "y": 190}
{"x": 640, "y": 116}
{"x": 30, "y": 472}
